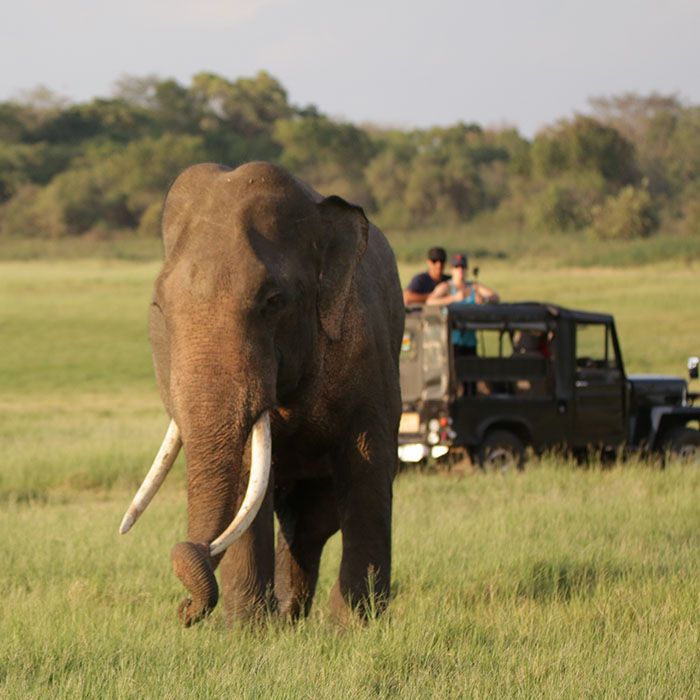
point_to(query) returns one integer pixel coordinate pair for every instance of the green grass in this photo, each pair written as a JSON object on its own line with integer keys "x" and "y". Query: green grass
{"x": 554, "y": 583}
{"x": 557, "y": 582}
{"x": 118, "y": 246}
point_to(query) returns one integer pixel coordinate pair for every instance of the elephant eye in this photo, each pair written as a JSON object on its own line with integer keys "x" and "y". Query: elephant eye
{"x": 274, "y": 299}
{"x": 274, "y": 302}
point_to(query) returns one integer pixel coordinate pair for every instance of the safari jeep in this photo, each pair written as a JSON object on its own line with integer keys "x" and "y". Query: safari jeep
{"x": 543, "y": 377}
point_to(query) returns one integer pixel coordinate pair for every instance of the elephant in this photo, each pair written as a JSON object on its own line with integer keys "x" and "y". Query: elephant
{"x": 276, "y": 325}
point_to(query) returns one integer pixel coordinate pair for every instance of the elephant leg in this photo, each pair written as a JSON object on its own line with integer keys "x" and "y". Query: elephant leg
{"x": 247, "y": 568}
{"x": 364, "y": 475}
{"x": 308, "y": 516}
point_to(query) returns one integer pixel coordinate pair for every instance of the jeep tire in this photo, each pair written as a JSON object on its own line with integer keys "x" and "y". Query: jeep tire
{"x": 501, "y": 451}
{"x": 683, "y": 445}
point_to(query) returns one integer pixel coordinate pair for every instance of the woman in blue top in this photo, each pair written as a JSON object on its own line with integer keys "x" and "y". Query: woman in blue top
{"x": 459, "y": 290}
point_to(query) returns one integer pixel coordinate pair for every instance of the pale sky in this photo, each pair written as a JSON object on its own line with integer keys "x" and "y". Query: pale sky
{"x": 436, "y": 62}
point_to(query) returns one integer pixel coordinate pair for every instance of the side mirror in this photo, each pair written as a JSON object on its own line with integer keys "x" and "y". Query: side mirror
{"x": 693, "y": 367}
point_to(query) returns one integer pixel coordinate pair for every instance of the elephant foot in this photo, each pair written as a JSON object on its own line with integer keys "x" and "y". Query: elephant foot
{"x": 193, "y": 566}
{"x": 366, "y": 604}
{"x": 341, "y": 611}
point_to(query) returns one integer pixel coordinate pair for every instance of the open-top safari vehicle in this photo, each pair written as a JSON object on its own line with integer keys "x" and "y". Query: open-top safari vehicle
{"x": 543, "y": 377}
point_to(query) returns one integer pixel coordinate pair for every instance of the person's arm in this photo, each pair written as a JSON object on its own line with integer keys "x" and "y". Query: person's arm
{"x": 416, "y": 292}
{"x": 440, "y": 296}
{"x": 411, "y": 297}
{"x": 485, "y": 295}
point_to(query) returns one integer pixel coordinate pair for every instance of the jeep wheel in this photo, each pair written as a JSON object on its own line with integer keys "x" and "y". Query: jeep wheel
{"x": 501, "y": 451}
{"x": 683, "y": 445}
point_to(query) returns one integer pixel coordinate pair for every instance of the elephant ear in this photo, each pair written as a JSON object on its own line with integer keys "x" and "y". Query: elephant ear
{"x": 346, "y": 233}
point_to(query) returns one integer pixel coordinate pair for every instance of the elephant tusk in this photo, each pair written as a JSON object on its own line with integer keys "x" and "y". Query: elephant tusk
{"x": 261, "y": 452}
{"x": 156, "y": 475}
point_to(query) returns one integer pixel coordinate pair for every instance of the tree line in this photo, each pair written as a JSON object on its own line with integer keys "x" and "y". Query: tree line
{"x": 628, "y": 168}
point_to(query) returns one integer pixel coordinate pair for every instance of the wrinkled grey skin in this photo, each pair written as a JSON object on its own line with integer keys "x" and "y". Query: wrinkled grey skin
{"x": 274, "y": 298}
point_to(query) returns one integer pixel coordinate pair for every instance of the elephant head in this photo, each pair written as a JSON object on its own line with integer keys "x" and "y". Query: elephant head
{"x": 256, "y": 278}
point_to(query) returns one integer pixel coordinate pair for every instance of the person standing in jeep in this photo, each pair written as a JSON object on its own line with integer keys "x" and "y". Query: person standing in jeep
{"x": 422, "y": 284}
{"x": 459, "y": 290}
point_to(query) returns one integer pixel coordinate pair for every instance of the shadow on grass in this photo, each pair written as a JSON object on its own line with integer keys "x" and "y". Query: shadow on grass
{"x": 564, "y": 580}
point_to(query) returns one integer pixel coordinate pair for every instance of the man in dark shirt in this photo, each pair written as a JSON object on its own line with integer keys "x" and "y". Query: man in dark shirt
{"x": 423, "y": 283}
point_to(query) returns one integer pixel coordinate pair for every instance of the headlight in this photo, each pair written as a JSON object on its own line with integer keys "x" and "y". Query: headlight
{"x": 412, "y": 452}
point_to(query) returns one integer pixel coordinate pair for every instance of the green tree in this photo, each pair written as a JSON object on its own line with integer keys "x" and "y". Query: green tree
{"x": 387, "y": 176}
{"x": 238, "y": 118}
{"x": 632, "y": 114}
{"x": 666, "y": 134}
{"x": 585, "y": 144}
{"x": 171, "y": 106}
{"x": 108, "y": 120}
{"x": 12, "y": 125}
{"x": 445, "y": 181}
{"x": 36, "y": 163}
{"x": 331, "y": 156}
{"x": 17, "y": 161}
{"x": 517, "y": 150}
{"x": 248, "y": 106}
{"x": 142, "y": 173}
{"x": 109, "y": 186}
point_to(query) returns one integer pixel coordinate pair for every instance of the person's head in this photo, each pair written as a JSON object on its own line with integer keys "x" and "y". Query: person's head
{"x": 436, "y": 262}
{"x": 458, "y": 267}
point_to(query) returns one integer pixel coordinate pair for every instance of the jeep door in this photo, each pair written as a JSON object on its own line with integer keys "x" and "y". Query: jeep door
{"x": 425, "y": 368}
{"x": 511, "y": 383}
{"x": 599, "y": 386}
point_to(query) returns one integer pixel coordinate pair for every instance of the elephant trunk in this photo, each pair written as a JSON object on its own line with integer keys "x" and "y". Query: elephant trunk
{"x": 194, "y": 567}
{"x": 218, "y": 511}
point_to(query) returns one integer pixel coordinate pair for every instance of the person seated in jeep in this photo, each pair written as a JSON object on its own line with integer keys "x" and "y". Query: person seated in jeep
{"x": 533, "y": 343}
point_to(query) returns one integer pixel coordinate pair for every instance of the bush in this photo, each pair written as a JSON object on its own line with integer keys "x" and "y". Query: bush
{"x": 555, "y": 209}
{"x": 149, "y": 224}
{"x": 628, "y": 215}
{"x": 20, "y": 216}
{"x": 691, "y": 219}
{"x": 566, "y": 204}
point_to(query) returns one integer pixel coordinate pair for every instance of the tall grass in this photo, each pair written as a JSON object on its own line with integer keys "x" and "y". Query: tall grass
{"x": 489, "y": 236}
{"x": 551, "y": 583}
{"x": 557, "y": 582}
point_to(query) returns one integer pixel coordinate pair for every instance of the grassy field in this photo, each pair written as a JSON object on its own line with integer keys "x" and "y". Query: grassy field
{"x": 557, "y": 582}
